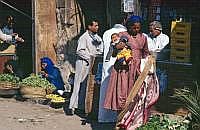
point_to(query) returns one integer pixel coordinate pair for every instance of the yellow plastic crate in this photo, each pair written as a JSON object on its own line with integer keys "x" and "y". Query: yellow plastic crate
{"x": 180, "y": 26}
{"x": 180, "y": 34}
{"x": 183, "y": 59}
{"x": 178, "y": 51}
{"x": 180, "y": 42}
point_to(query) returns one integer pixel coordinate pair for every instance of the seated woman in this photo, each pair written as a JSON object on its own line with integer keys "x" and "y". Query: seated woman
{"x": 52, "y": 74}
{"x": 12, "y": 67}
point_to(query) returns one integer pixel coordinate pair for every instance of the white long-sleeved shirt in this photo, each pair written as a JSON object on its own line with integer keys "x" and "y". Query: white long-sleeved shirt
{"x": 85, "y": 47}
{"x": 5, "y": 37}
{"x": 158, "y": 43}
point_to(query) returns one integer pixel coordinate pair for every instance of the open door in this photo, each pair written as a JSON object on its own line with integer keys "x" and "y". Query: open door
{"x": 21, "y": 11}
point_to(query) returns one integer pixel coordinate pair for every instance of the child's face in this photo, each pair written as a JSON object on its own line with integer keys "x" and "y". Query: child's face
{"x": 114, "y": 38}
{"x": 120, "y": 45}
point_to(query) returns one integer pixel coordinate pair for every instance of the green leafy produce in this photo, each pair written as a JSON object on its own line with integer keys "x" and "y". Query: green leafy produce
{"x": 165, "y": 122}
{"x": 9, "y": 78}
{"x": 36, "y": 81}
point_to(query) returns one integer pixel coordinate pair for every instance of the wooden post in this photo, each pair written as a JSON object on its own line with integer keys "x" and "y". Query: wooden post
{"x": 45, "y": 30}
{"x": 90, "y": 88}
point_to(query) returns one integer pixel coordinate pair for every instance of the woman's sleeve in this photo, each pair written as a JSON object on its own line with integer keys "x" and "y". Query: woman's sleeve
{"x": 54, "y": 75}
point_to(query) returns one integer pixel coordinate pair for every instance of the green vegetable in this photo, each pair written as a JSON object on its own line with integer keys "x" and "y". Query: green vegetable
{"x": 9, "y": 78}
{"x": 36, "y": 81}
{"x": 165, "y": 122}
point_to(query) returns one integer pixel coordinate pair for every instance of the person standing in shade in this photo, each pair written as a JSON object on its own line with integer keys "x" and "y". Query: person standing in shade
{"x": 89, "y": 46}
{"x": 8, "y": 27}
{"x": 7, "y": 34}
{"x": 156, "y": 40}
{"x": 106, "y": 115}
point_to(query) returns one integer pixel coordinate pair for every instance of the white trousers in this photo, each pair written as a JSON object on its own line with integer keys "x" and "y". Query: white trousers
{"x": 81, "y": 73}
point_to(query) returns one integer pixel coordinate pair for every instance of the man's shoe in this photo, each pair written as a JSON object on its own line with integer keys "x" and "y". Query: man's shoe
{"x": 70, "y": 112}
{"x": 66, "y": 95}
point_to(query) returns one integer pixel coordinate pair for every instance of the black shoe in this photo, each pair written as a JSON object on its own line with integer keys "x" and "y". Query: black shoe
{"x": 66, "y": 95}
{"x": 69, "y": 112}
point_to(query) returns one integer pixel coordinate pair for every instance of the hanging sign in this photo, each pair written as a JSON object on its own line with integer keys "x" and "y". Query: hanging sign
{"x": 128, "y": 6}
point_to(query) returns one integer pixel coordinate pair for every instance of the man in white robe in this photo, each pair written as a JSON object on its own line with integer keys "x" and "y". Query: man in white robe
{"x": 106, "y": 115}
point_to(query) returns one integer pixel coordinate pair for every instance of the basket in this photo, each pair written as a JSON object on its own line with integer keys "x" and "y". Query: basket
{"x": 8, "y": 85}
{"x": 49, "y": 90}
{"x": 8, "y": 89}
{"x": 32, "y": 92}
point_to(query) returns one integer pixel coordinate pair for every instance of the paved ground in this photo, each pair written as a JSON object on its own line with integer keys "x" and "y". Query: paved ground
{"x": 18, "y": 115}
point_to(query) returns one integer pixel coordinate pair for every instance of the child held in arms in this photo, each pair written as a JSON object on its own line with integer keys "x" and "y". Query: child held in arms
{"x": 123, "y": 54}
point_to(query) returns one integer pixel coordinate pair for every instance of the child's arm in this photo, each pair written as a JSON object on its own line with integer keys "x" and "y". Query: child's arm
{"x": 109, "y": 54}
{"x": 115, "y": 51}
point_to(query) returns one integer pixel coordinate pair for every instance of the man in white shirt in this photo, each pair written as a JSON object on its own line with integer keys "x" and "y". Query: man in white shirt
{"x": 90, "y": 45}
{"x": 156, "y": 39}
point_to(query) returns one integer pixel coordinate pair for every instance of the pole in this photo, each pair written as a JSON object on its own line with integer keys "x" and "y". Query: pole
{"x": 17, "y": 10}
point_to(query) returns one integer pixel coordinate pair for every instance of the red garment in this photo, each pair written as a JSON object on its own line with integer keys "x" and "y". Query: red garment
{"x": 121, "y": 82}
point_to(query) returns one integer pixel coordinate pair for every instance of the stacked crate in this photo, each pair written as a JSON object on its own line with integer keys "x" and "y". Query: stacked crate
{"x": 180, "y": 42}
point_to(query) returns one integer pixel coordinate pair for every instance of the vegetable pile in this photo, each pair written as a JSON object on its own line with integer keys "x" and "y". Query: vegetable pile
{"x": 9, "y": 78}
{"x": 37, "y": 81}
{"x": 165, "y": 122}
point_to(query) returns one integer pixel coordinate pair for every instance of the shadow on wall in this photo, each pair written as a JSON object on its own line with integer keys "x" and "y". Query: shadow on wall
{"x": 80, "y": 12}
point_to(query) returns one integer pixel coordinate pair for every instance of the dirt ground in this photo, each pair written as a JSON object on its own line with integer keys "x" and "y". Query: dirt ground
{"x": 18, "y": 115}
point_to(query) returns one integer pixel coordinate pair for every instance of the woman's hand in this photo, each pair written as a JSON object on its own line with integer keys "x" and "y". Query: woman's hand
{"x": 44, "y": 74}
{"x": 10, "y": 68}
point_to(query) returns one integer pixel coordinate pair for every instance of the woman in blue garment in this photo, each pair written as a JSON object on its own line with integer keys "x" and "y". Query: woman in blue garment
{"x": 51, "y": 73}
